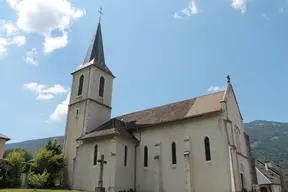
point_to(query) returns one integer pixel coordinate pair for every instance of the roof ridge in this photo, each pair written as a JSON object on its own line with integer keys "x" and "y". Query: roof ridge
{"x": 169, "y": 104}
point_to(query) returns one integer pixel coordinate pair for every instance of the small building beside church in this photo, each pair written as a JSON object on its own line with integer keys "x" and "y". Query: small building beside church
{"x": 194, "y": 145}
{"x": 3, "y": 140}
{"x": 270, "y": 177}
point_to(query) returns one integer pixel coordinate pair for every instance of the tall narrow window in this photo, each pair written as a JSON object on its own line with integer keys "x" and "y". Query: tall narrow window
{"x": 125, "y": 156}
{"x": 101, "y": 86}
{"x": 207, "y": 149}
{"x": 145, "y": 156}
{"x": 80, "y": 85}
{"x": 242, "y": 180}
{"x": 174, "y": 155}
{"x": 95, "y": 155}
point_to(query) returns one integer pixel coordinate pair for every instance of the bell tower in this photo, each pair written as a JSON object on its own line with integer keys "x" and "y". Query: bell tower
{"x": 90, "y": 101}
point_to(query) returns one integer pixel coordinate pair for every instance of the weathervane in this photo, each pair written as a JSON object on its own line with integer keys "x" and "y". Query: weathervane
{"x": 101, "y": 13}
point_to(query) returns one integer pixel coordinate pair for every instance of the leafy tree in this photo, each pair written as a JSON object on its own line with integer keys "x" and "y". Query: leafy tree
{"x": 11, "y": 169}
{"x": 6, "y": 152}
{"x": 37, "y": 180}
{"x": 49, "y": 158}
{"x": 25, "y": 154}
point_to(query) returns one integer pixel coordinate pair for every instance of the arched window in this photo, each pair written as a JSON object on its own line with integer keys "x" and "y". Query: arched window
{"x": 174, "y": 155}
{"x": 80, "y": 85}
{"x": 145, "y": 156}
{"x": 101, "y": 86}
{"x": 125, "y": 156}
{"x": 95, "y": 155}
{"x": 207, "y": 149}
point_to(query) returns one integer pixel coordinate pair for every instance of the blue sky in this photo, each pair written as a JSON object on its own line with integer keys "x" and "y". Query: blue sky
{"x": 158, "y": 53}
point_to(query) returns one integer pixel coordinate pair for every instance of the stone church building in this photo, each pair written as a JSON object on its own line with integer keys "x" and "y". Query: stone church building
{"x": 195, "y": 145}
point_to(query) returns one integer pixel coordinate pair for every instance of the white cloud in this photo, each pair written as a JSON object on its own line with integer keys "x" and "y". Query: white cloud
{"x": 281, "y": 10}
{"x": 18, "y": 40}
{"x": 9, "y": 28}
{"x": 45, "y": 97}
{"x": 239, "y": 4}
{"x": 215, "y": 88}
{"x": 35, "y": 87}
{"x": 265, "y": 16}
{"x": 31, "y": 57}
{"x": 43, "y": 17}
{"x": 56, "y": 89}
{"x": 39, "y": 88}
{"x": 12, "y": 3}
{"x": 52, "y": 43}
{"x": 61, "y": 110}
{"x": 188, "y": 11}
{"x": 3, "y": 44}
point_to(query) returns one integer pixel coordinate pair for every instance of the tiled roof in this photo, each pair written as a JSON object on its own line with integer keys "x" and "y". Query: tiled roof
{"x": 114, "y": 126}
{"x": 176, "y": 111}
{"x": 4, "y": 137}
{"x": 271, "y": 175}
{"x": 166, "y": 113}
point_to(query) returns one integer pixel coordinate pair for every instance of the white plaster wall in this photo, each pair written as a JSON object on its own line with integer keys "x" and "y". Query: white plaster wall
{"x": 2, "y": 144}
{"x": 276, "y": 188}
{"x": 234, "y": 116}
{"x": 94, "y": 86}
{"x": 124, "y": 175}
{"x": 96, "y": 115}
{"x": 86, "y": 175}
{"x": 246, "y": 172}
{"x": 74, "y": 129}
{"x": 206, "y": 176}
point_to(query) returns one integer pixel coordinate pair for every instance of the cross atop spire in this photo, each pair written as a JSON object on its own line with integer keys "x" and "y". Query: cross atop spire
{"x": 228, "y": 79}
{"x": 100, "y": 13}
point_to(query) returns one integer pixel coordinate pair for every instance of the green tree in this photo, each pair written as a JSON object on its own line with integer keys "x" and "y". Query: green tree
{"x": 11, "y": 169}
{"x": 25, "y": 154}
{"x": 49, "y": 158}
{"x": 37, "y": 180}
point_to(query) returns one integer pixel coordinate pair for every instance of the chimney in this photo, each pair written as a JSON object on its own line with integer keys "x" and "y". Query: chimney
{"x": 267, "y": 165}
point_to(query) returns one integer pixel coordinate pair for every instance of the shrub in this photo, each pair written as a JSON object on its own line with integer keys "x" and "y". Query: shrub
{"x": 37, "y": 180}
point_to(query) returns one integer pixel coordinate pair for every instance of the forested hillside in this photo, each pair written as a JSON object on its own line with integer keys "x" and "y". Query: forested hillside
{"x": 269, "y": 141}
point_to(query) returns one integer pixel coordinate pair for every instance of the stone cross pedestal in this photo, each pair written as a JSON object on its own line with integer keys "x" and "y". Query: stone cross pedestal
{"x": 100, "y": 187}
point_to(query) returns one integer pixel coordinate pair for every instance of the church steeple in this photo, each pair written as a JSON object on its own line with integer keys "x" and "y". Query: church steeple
{"x": 95, "y": 53}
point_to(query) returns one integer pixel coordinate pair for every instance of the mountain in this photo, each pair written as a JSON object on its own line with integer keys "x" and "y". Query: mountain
{"x": 33, "y": 145}
{"x": 269, "y": 141}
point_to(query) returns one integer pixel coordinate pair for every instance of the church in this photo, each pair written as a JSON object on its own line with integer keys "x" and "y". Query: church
{"x": 195, "y": 145}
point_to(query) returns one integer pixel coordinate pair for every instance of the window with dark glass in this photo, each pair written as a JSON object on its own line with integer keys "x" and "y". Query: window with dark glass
{"x": 207, "y": 149}
{"x": 80, "y": 85}
{"x": 101, "y": 86}
{"x": 95, "y": 155}
{"x": 125, "y": 156}
{"x": 174, "y": 155}
{"x": 145, "y": 156}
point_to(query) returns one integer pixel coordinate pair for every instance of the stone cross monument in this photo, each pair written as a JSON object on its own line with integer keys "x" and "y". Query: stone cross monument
{"x": 100, "y": 187}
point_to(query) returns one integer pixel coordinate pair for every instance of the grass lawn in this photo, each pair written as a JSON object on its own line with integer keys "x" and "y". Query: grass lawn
{"x": 32, "y": 190}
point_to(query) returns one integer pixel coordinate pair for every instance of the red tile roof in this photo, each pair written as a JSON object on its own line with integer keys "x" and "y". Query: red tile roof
{"x": 4, "y": 137}
{"x": 167, "y": 113}
{"x": 176, "y": 111}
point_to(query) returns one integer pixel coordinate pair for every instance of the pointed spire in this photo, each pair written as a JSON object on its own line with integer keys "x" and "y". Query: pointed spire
{"x": 95, "y": 53}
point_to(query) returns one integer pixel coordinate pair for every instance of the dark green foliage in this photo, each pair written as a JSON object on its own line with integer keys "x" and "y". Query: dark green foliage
{"x": 50, "y": 159}
{"x": 11, "y": 169}
{"x": 269, "y": 141}
{"x": 25, "y": 154}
